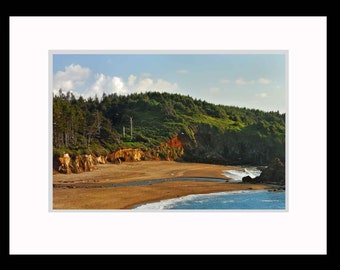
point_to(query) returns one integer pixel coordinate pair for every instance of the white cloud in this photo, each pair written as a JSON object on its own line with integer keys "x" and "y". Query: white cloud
{"x": 182, "y": 71}
{"x": 131, "y": 80}
{"x": 214, "y": 90}
{"x": 241, "y": 81}
{"x": 262, "y": 95}
{"x": 165, "y": 86}
{"x": 72, "y": 77}
{"x": 160, "y": 85}
{"x": 97, "y": 87}
{"x": 264, "y": 81}
{"x": 117, "y": 85}
{"x": 224, "y": 81}
{"x": 107, "y": 84}
{"x": 144, "y": 85}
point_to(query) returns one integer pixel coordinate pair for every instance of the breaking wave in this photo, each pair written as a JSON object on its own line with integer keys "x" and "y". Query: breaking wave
{"x": 237, "y": 175}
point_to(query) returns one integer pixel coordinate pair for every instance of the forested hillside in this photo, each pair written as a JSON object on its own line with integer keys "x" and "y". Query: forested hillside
{"x": 210, "y": 133}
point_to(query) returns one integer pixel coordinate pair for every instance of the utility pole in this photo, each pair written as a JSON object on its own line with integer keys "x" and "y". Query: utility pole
{"x": 131, "y": 127}
{"x": 123, "y": 131}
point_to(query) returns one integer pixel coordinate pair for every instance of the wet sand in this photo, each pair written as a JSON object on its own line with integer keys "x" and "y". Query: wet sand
{"x": 103, "y": 189}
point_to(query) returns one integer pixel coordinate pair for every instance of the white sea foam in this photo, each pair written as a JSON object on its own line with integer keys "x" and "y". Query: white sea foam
{"x": 237, "y": 175}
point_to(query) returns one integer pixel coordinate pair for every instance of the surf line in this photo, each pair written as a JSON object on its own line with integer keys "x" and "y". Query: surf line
{"x": 144, "y": 183}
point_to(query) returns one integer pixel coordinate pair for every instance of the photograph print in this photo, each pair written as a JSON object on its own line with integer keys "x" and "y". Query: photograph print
{"x": 154, "y": 131}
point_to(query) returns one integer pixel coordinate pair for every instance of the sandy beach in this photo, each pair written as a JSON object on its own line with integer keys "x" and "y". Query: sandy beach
{"x": 109, "y": 187}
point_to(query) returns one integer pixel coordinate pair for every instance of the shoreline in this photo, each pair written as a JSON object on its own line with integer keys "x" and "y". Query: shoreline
{"x": 191, "y": 196}
{"x": 124, "y": 186}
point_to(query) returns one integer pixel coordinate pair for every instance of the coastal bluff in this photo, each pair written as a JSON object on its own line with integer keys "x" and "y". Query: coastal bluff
{"x": 161, "y": 126}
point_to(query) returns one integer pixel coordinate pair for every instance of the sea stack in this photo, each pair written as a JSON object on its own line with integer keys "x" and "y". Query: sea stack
{"x": 273, "y": 174}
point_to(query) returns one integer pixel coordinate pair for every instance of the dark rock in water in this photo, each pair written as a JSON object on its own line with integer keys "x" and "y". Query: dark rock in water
{"x": 248, "y": 179}
{"x": 273, "y": 174}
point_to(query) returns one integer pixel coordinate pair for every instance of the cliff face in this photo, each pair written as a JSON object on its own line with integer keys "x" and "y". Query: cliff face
{"x": 233, "y": 148}
{"x": 170, "y": 150}
{"x": 273, "y": 174}
{"x": 207, "y": 146}
{"x": 174, "y": 142}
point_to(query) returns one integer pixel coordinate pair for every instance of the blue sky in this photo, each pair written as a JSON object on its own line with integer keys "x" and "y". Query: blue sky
{"x": 244, "y": 80}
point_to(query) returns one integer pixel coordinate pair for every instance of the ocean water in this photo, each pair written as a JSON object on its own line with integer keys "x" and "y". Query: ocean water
{"x": 234, "y": 200}
{"x": 239, "y": 200}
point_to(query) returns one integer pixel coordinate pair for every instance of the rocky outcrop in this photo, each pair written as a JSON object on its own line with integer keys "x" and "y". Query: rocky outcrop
{"x": 273, "y": 174}
{"x": 88, "y": 163}
{"x": 80, "y": 163}
{"x": 84, "y": 163}
{"x": 170, "y": 150}
{"x": 101, "y": 159}
{"x": 174, "y": 142}
{"x": 173, "y": 149}
{"x": 127, "y": 155}
{"x": 152, "y": 154}
{"x": 65, "y": 164}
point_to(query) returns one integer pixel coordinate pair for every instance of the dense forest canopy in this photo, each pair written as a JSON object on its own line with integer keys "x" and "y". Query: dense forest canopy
{"x": 216, "y": 133}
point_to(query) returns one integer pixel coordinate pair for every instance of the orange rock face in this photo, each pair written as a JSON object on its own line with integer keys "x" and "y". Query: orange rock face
{"x": 65, "y": 164}
{"x": 101, "y": 159}
{"x": 174, "y": 142}
{"x": 88, "y": 163}
{"x": 127, "y": 155}
{"x": 78, "y": 164}
{"x": 170, "y": 150}
{"x": 173, "y": 148}
{"x": 84, "y": 163}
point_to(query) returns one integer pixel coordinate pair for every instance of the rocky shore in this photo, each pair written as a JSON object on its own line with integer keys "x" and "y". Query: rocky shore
{"x": 273, "y": 175}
